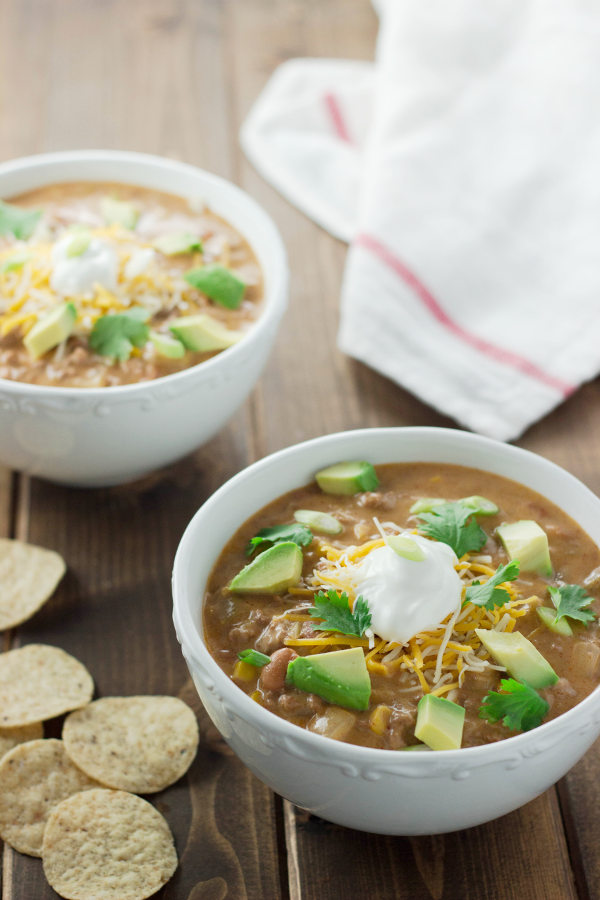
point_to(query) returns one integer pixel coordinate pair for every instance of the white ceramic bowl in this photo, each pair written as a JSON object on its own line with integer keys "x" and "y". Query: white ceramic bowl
{"x": 376, "y": 790}
{"x": 101, "y": 436}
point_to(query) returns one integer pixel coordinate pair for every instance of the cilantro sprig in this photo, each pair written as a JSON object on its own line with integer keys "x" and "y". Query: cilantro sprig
{"x": 517, "y": 705}
{"x": 266, "y": 537}
{"x": 334, "y": 611}
{"x": 489, "y": 594}
{"x": 455, "y": 525}
{"x": 17, "y": 220}
{"x": 117, "y": 335}
{"x": 571, "y": 600}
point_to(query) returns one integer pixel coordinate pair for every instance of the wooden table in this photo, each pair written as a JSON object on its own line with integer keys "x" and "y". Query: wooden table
{"x": 177, "y": 79}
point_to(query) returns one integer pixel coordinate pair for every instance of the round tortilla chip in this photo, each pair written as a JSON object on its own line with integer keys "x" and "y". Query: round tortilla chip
{"x": 107, "y": 845}
{"x": 10, "y": 737}
{"x": 34, "y": 778}
{"x": 139, "y": 744}
{"x": 38, "y": 682}
{"x": 28, "y": 577}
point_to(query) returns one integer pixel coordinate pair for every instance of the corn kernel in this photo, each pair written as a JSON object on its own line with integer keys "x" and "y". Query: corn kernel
{"x": 379, "y": 719}
{"x": 243, "y": 671}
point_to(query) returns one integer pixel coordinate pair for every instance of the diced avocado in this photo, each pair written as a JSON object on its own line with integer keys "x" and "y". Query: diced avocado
{"x": 348, "y": 478}
{"x": 528, "y": 543}
{"x": 271, "y": 571}
{"x": 165, "y": 345}
{"x": 406, "y": 547}
{"x": 439, "y": 723}
{"x": 218, "y": 283}
{"x": 320, "y": 522}
{"x": 519, "y": 656}
{"x": 481, "y": 506}
{"x": 414, "y": 747}
{"x": 340, "y": 677}
{"x": 548, "y": 616}
{"x": 119, "y": 212}
{"x": 51, "y": 330}
{"x": 202, "y": 333}
{"x": 179, "y": 242}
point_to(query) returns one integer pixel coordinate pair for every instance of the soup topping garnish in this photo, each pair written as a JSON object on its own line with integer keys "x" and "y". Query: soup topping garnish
{"x": 419, "y": 602}
{"x": 119, "y": 280}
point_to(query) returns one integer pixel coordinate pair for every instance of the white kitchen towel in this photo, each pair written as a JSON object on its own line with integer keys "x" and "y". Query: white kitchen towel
{"x": 464, "y": 168}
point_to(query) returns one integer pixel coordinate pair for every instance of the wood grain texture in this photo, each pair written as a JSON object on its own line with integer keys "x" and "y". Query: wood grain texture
{"x": 178, "y": 78}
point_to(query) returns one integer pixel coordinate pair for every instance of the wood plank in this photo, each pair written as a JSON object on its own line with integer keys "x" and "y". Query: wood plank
{"x": 465, "y": 864}
{"x": 327, "y": 860}
{"x": 113, "y": 609}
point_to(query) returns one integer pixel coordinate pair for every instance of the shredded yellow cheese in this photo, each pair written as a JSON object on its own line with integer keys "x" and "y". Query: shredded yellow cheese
{"x": 438, "y": 659}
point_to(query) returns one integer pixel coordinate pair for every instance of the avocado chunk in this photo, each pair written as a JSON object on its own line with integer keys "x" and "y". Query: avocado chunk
{"x": 340, "y": 677}
{"x": 320, "y": 522}
{"x": 439, "y": 723}
{"x": 165, "y": 345}
{"x": 548, "y": 616}
{"x": 202, "y": 333}
{"x": 218, "y": 283}
{"x": 405, "y": 546}
{"x": 528, "y": 543}
{"x": 176, "y": 243}
{"x": 51, "y": 330}
{"x": 271, "y": 571}
{"x": 119, "y": 212}
{"x": 348, "y": 478}
{"x": 519, "y": 656}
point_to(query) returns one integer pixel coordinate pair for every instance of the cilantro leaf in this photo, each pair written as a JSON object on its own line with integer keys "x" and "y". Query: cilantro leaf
{"x": 489, "y": 594}
{"x": 334, "y": 610}
{"x": 518, "y": 705}
{"x": 17, "y": 220}
{"x": 571, "y": 600}
{"x": 455, "y": 525}
{"x": 266, "y": 537}
{"x": 254, "y": 657}
{"x": 117, "y": 335}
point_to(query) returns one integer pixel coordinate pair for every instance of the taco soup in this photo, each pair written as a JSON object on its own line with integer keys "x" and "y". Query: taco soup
{"x": 412, "y": 607}
{"x": 109, "y": 284}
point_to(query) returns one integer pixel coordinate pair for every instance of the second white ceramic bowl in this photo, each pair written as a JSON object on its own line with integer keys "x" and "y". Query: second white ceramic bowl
{"x": 376, "y": 790}
{"x": 103, "y": 436}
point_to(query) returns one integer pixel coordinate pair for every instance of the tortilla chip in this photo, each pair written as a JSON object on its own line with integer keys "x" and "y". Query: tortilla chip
{"x": 34, "y": 778}
{"x": 38, "y": 682}
{"x": 28, "y": 577}
{"x": 139, "y": 744}
{"x": 107, "y": 845}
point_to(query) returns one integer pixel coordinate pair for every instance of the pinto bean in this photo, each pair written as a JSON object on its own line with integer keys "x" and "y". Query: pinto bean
{"x": 272, "y": 677}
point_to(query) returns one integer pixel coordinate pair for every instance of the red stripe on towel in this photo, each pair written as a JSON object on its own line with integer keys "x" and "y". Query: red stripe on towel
{"x": 337, "y": 119}
{"x": 499, "y": 354}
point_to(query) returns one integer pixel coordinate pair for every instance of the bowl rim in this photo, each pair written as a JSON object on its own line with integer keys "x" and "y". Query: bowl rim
{"x": 274, "y": 304}
{"x": 266, "y": 721}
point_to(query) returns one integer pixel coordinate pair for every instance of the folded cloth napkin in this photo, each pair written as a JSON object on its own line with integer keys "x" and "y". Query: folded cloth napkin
{"x": 464, "y": 168}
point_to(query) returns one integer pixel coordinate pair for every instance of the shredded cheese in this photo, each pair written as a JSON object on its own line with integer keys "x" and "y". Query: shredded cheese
{"x": 438, "y": 659}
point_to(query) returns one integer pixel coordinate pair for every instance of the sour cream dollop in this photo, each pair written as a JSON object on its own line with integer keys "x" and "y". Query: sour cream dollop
{"x": 75, "y": 275}
{"x": 405, "y": 596}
